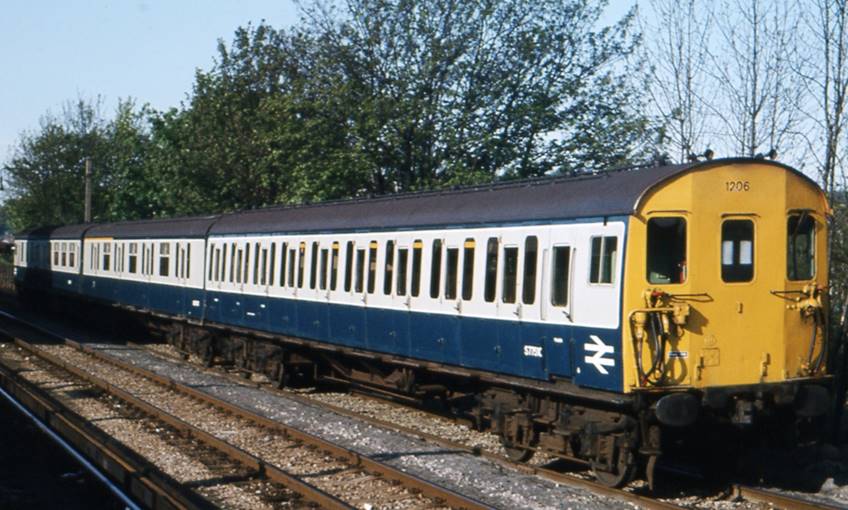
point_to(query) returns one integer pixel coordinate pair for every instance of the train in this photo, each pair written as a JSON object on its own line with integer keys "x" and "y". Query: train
{"x": 606, "y": 317}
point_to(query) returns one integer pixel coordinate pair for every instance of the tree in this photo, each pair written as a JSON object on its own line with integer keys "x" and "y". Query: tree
{"x": 45, "y": 176}
{"x": 678, "y": 59}
{"x": 469, "y": 91}
{"x": 825, "y": 78}
{"x": 761, "y": 94}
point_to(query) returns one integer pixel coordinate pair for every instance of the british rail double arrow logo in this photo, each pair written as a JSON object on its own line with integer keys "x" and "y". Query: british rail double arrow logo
{"x": 599, "y": 359}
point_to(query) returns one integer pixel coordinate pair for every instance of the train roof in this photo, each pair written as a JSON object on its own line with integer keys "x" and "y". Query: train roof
{"x": 54, "y": 232}
{"x": 603, "y": 194}
{"x": 195, "y": 226}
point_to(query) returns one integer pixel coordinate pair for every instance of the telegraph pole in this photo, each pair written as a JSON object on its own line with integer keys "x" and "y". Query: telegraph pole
{"x": 87, "y": 190}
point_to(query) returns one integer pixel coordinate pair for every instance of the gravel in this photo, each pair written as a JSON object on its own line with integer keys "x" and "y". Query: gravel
{"x": 473, "y": 476}
{"x": 331, "y": 475}
{"x": 112, "y": 419}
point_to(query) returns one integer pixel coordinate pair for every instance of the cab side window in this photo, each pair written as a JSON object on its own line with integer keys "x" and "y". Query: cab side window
{"x": 737, "y": 251}
{"x": 666, "y": 250}
{"x": 801, "y": 247}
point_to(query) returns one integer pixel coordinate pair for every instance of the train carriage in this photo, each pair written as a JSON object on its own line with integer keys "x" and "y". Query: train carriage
{"x": 592, "y": 317}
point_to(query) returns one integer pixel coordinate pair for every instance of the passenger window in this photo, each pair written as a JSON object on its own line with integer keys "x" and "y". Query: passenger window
{"x": 666, "y": 250}
{"x": 232, "y": 262}
{"x": 263, "y": 277}
{"x": 417, "y": 248}
{"x": 292, "y": 263}
{"x": 389, "y": 270}
{"x": 510, "y": 274}
{"x": 55, "y": 254}
{"x": 491, "y": 269}
{"x": 604, "y": 253}
{"x": 239, "y": 265}
{"x": 436, "y": 268}
{"x": 212, "y": 262}
{"x": 348, "y": 266}
{"x": 801, "y": 247}
{"x": 403, "y": 261}
{"x": 272, "y": 263}
{"x": 560, "y": 275}
{"x": 301, "y": 256}
{"x": 737, "y": 250}
{"x": 245, "y": 276}
{"x": 164, "y": 258}
{"x": 72, "y": 256}
{"x": 188, "y": 260}
{"x": 531, "y": 252}
{"x": 222, "y": 276}
{"x": 372, "y": 266}
{"x": 313, "y": 266}
{"x": 334, "y": 267}
{"x": 451, "y": 273}
{"x": 107, "y": 256}
{"x": 360, "y": 270}
{"x": 284, "y": 251}
{"x": 64, "y": 254}
{"x": 256, "y": 256}
{"x": 468, "y": 269}
{"x": 325, "y": 259}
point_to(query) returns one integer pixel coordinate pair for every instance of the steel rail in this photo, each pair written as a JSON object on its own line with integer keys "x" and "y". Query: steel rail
{"x": 116, "y": 491}
{"x": 427, "y": 488}
{"x": 141, "y": 482}
{"x": 549, "y": 474}
{"x": 781, "y": 500}
{"x": 255, "y": 464}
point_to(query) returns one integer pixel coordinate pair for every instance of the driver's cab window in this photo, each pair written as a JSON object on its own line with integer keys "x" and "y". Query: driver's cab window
{"x": 666, "y": 250}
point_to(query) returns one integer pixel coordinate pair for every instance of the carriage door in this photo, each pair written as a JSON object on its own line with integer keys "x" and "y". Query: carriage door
{"x": 517, "y": 302}
{"x": 556, "y": 303}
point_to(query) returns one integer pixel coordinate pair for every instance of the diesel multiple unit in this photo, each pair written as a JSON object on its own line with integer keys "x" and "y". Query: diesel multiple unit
{"x": 603, "y": 317}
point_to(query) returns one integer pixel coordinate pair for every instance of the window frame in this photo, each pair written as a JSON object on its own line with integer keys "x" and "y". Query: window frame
{"x": 754, "y": 249}
{"x": 686, "y": 247}
{"x": 603, "y": 238}
{"x": 569, "y": 271}
{"x": 813, "y": 242}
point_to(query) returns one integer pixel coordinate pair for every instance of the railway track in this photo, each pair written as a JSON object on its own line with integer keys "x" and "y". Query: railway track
{"x": 774, "y": 500}
{"x": 754, "y": 495}
{"x": 388, "y": 484}
{"x": 130, "y": 477}
{"x": 120, "y": 494}
{"x": 780, "y": 500}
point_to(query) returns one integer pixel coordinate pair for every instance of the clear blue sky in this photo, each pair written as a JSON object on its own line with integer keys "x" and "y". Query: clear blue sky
{"x": 53, "y": 51}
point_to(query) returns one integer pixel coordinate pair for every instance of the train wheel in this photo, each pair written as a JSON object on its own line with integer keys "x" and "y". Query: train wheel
{"x": 517, "y": 453}
{"x": 617, "y": 466}
{"x": 621, "y": 473}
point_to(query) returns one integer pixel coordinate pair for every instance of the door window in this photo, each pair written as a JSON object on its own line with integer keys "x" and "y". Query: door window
{"x": 737, "y": 251}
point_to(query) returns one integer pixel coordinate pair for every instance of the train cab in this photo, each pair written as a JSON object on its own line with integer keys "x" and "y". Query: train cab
{"x": 726, "y": 288}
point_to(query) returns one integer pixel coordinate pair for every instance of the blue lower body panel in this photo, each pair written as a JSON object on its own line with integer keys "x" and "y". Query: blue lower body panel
{"x": 591, "y": 357}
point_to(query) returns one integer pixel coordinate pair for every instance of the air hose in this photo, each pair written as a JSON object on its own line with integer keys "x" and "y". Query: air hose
{"x": 818, "y": 322}
{"x": 657, "y": 338}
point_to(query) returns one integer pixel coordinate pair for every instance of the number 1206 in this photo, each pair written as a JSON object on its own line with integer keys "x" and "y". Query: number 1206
{"x": 737, "y": 186}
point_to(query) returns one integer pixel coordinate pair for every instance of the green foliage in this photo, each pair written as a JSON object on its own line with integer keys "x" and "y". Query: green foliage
{"x": 369, "y": 97}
